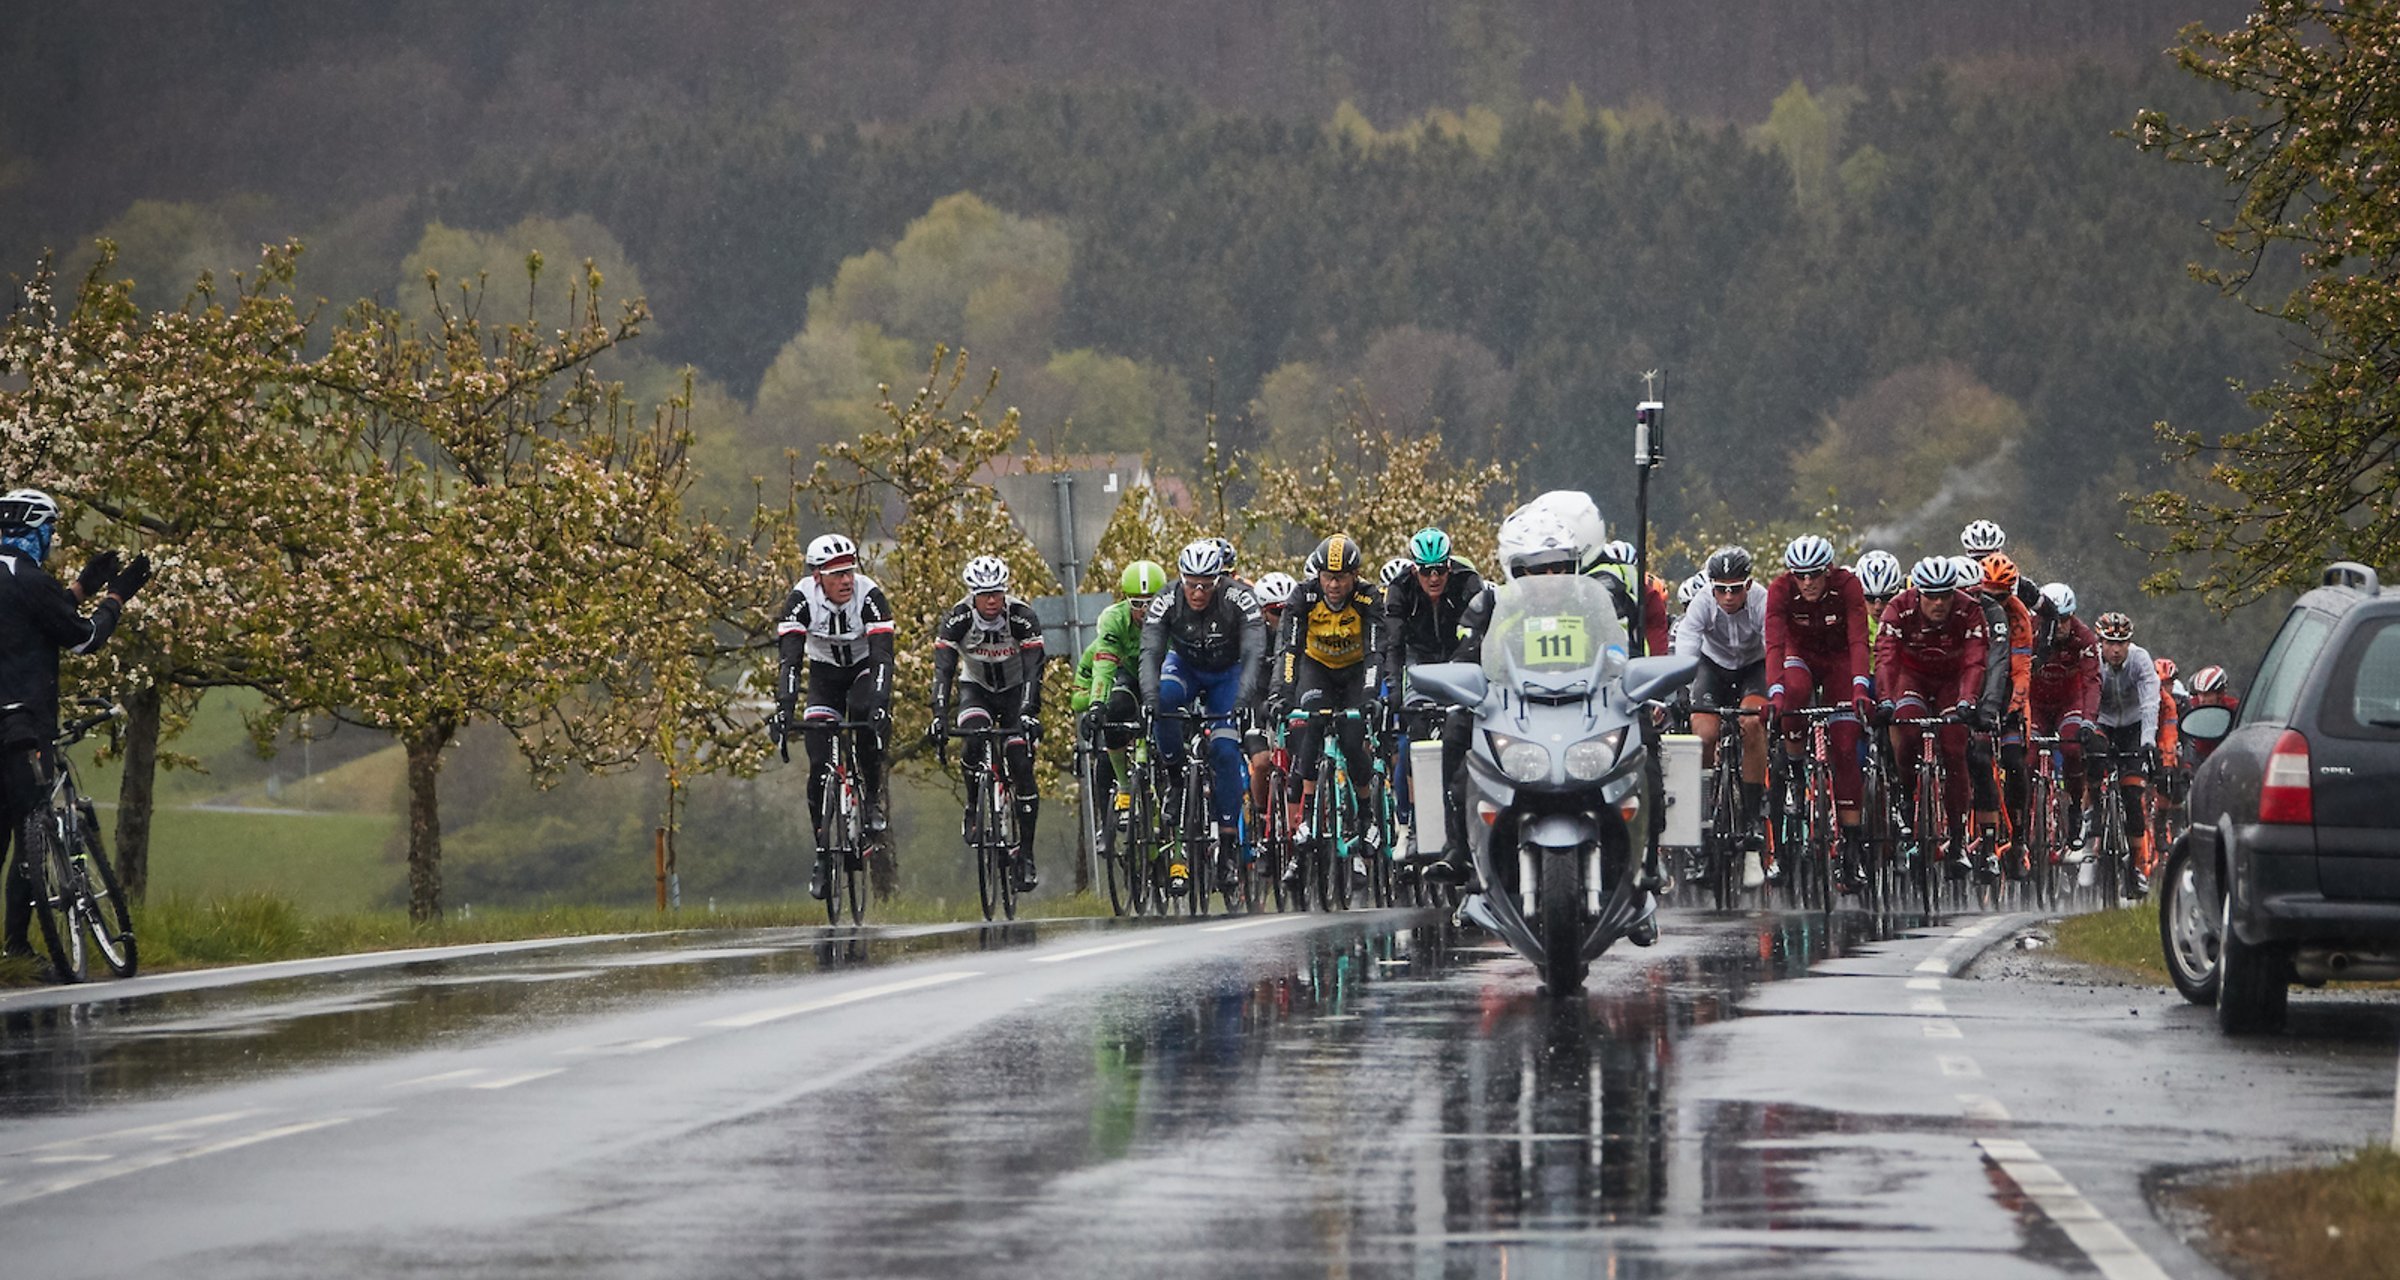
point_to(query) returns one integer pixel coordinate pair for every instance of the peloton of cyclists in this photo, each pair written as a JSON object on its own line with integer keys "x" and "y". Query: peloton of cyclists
{"x": 1204, "y": 645}
{"x": 1816, "y": 638}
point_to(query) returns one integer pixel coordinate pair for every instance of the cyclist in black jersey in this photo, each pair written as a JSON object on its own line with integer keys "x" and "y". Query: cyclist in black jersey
{"x": 990, "y": 646}
{"x": 838, "y": 624}
{"x": 1328, "y": 657}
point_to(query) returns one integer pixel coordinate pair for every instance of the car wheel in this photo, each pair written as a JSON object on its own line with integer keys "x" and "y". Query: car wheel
{"x": 2188, "y": 927}
{"x": 2252, "y": 988}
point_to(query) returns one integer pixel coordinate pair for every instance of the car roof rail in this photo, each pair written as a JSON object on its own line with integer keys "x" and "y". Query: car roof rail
{"x": 2355, "y": 576}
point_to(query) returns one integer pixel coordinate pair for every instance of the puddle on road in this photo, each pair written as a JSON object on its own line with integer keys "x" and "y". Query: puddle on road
{"x": 1368, "y": 1099}
{"x": 72, "y": 1057}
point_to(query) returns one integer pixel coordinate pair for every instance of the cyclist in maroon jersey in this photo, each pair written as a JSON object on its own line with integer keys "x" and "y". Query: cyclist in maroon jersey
{"x": 1817, "y": 656}
{"x": 2063, "y": 691}
{"x": 1929, "y": 660}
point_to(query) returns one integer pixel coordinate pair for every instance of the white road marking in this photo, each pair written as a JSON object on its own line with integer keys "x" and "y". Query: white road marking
{"x": 756, "y": 1017}
{"x": 1958, "y": 1064}
{"x": 137, "y": 1164}
{"x": 1924, "y": 984}
{"x": 623, "y": 1047}
{"x": 1928, "y": 1004}
{"x": 522, "y": 1077}
{"x": 1941, "y": 1029}
{"x": 167, "y": 1132}
{"x": 2109, "y": 1248}
{"x": 1088, "y": 952}
{"x": 70, "y": 1157}
{"x": 1981, "y": 1107}
{"x": 1245, "y": 924}
{"x": 442, "y": 1077}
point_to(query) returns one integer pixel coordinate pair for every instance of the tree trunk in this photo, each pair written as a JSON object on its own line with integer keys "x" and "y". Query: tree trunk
{"x": 137, "y": 791}
{"x": 425, "y": 824}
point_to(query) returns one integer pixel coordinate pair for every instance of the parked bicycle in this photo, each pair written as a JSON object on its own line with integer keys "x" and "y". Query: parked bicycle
{"x": 76, "y": 897}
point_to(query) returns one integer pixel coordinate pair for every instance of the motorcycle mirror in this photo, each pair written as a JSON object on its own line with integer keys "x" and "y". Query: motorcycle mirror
{"x": 1647, "y": 678}
{"x": 2207, "y": 724}
{"x": 1458, "y": 684}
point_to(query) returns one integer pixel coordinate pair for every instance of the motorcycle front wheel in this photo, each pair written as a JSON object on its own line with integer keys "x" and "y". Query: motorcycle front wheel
{"x": 1558, "y": 921}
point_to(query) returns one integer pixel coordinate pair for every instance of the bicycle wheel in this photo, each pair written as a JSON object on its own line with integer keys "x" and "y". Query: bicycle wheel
{"x": 1828, "y": 843}
{"x": 1929, "y": 819}
{"x": 1275, "y": 851}
{"x": 1002, "y": 830}
{"x": 979, "y": 847}
{"x": 58, "y": 901}
{"x": 1334, "y": 837}
{"x": 107, "y": 918}
{"x": 1104, "y": 837}
{"x": 852, "y": 868}
{"x": 1197, "y": 872}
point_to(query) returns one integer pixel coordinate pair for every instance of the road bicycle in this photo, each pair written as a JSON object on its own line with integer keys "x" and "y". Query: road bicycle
{"x": 1349, "y": 826}
{"x": 989, "y": 825}
{"x": 1276, "y": 851}
{"x": 2047, "y": 803}
{"x": 844, "y": 844}
{"x": 1808, "y": 834}
{"x": 1928, "y": 831}
{"x": 1195, "y": 840}
{"x": 76, "y": 897}
{"x": 1723, "y": 834}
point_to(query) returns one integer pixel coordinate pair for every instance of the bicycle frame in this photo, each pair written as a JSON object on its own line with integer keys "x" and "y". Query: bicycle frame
{"x": 991, "y": 830}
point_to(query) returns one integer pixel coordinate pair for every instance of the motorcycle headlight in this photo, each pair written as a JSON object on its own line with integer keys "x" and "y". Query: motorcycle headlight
{"x": 1521, "y": 760}
{"x": 1592, "y": 758}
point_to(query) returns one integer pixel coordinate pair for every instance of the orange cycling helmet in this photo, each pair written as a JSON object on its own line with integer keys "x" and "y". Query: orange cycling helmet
{"x": 1999, "y": 574}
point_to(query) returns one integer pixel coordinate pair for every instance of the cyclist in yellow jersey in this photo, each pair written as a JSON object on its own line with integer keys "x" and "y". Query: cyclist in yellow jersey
{"x": 1326, "y": 657}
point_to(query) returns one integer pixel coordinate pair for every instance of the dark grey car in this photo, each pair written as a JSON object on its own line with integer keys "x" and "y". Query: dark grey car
{"x": 2297, "y": 812}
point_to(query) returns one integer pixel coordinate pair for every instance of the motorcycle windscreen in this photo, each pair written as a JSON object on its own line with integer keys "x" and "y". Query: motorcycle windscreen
{"x": 1554, "y": 636}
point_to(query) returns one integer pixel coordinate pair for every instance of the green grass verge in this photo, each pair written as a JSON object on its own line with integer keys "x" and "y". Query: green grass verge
{"x": 2341, "y": 1222}
{"x": 187, "y": 933}
{"x": 2125, "y": 939}
{"x": 321, "y": 863}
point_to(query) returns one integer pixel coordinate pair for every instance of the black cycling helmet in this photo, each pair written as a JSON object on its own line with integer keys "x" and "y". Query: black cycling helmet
{"x": 1729, "y": 565}
{"x": 1338, "y": 553}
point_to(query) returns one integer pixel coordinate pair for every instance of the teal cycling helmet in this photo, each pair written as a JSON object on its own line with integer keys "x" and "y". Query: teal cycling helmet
{"x": 1429, "y": 548}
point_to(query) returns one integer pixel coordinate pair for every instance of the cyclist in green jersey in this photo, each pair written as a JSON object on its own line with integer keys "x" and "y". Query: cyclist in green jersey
{"x": 1105, "y": 675}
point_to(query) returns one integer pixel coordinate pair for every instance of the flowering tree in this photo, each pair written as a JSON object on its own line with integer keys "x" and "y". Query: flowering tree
{"x": 2309, "y": 161}
{"x": 174, "y": 432}
{"x": 1380, "y": 487}
{"x": 501, "y": 548}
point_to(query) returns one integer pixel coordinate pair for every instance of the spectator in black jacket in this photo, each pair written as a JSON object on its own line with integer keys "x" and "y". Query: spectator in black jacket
{"x": 38, "y": 618}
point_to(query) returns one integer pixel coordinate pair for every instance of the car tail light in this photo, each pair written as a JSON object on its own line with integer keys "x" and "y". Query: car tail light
{"x": 2285, "y": 796}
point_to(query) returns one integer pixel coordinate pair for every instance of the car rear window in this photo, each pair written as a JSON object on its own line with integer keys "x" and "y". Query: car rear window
{"x": 2286, "y": 665}
{"x": 2363, "y": 700}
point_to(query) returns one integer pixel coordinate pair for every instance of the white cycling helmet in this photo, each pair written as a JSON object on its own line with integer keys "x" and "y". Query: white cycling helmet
{"x": 832, "y": 551}
{"x": 1201, "y": 559}
{"x": 1970, "y": 570}
{"x": 1225, "y": 549}
{"x": 1534, "y": 541}
{"x": 1808, "y": 553}
{"x": 1878, "y": 573}
{"x": 1934, "y": 575}
{"x": 1395, "y": 569}
{"x": 1580, "y": 515}
{"x": 986, "y": 573}
{"x": 1692, "y": 589}
{"x": 2060, "y": 597}
{"x": 27, "y": 509}
{"x": 1274, "y": 590}
{"x": 1617, "y": 551}
{"x": 1982, "y": 537}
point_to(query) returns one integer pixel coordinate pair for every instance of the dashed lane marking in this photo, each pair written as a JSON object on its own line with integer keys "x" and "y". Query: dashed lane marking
{"x": 1093, "y": 951}
{"x": 1924, "y": 984}
{"x": 439, "y": 1077}
{"x": 622, "y": 1047}
{"x": 1958, "y": 1064}
{"x": 1941, "y": 1029}
{"x": 758, "y": 1016}
{"x": 137, "y": 1164}
{"x": 2107, "y": 1245}
{"x": 522, "y": 1077}
{"x": 1247, "y": 924}
{"x": 166, "y": 1132}
{"x": 1982, "y": 1107}
{"x": 1928, "y": 1004}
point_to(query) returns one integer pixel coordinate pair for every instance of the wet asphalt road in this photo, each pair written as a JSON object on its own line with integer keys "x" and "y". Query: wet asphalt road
{"x": 1372, "y": 1094}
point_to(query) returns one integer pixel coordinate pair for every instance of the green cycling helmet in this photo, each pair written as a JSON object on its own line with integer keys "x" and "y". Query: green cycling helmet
{"x": 1143, "y": 578}
{"x": 1430, "y": 547}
